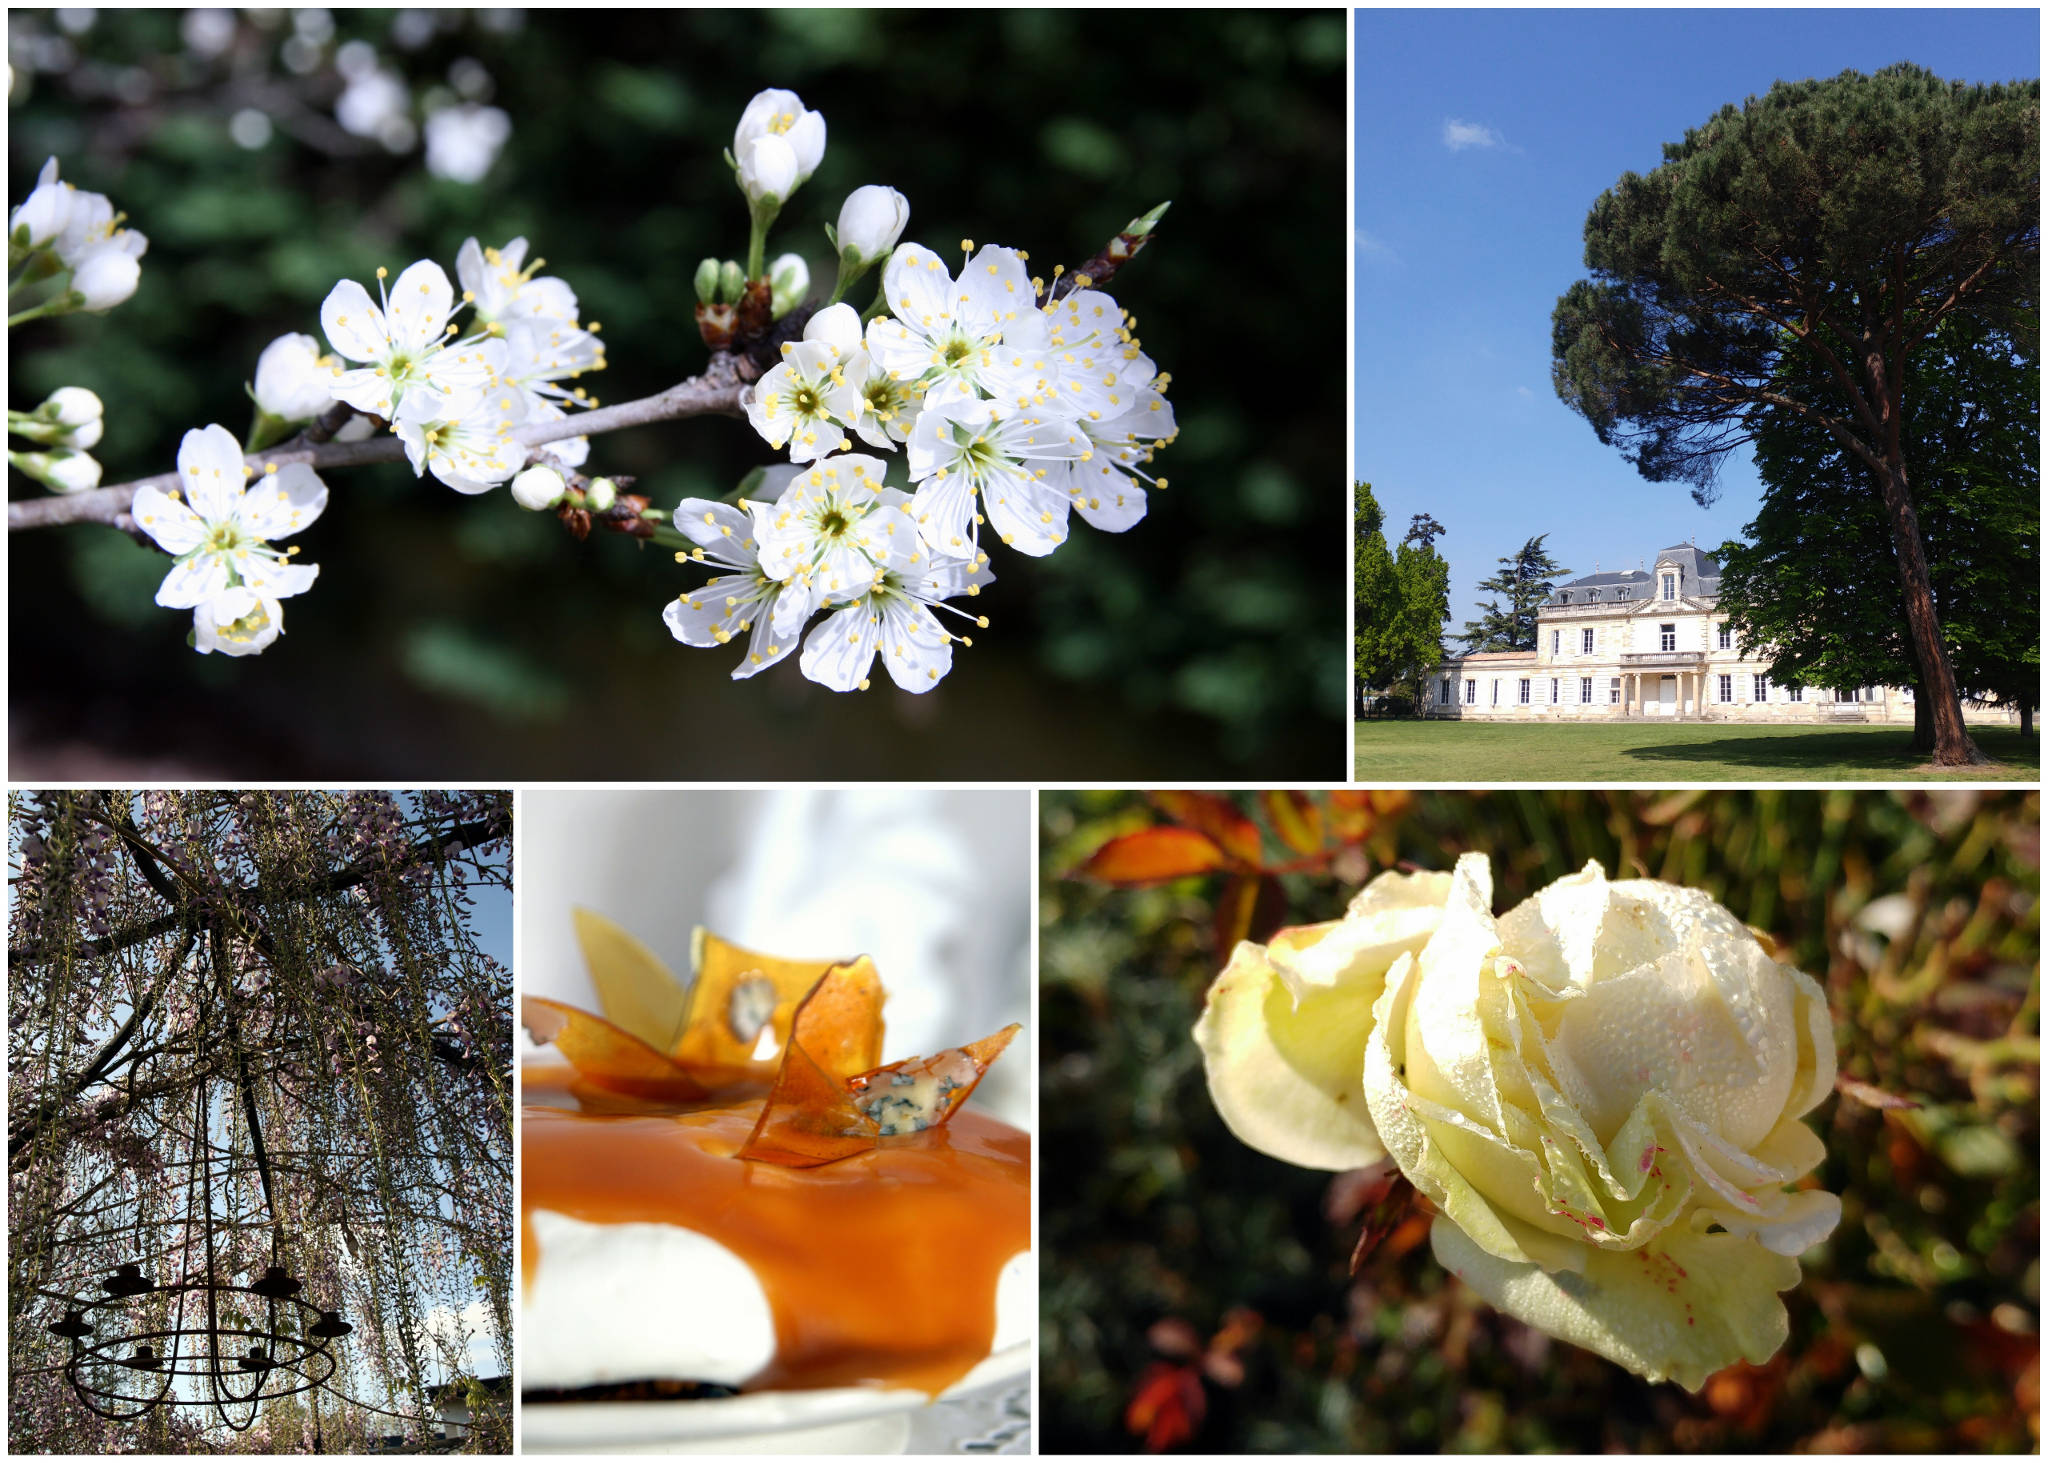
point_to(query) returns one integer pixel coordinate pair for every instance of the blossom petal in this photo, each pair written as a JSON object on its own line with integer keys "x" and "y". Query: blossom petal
{"x": 281, "y": 503}
{"x": 210, "y": 471}
{"x": 354, "y": 324}
{"x": 1679, "y": 1309}
{"x": 915, "y": 648}
{"x": 421, "y": 298}
{"x": 840, "y": 650}
{"x": 192, "y": 582}
{"x": 175, "y": 527}
{"x": 1026, "y": 514}
{"x": 919, "y": 289}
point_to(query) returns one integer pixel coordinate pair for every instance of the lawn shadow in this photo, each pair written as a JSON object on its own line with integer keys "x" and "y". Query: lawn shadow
{"x": 1823, "y": 752}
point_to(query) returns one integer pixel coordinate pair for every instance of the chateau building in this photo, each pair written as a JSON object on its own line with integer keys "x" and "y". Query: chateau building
{"x": 1645, "y": 643}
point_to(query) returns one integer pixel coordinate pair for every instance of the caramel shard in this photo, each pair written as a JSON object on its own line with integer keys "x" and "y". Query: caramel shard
{"x": 911, "y": 1096}
{"x": 810, "y": 1117}
{"x": 638, "y": 994}
{"x": 606, "y": 1055}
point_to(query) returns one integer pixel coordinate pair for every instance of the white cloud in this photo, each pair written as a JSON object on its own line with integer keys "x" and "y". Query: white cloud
{"x": 1372, "y": 248}
{"x": 1461, "y": 135}
{"x": 1525, "y": 392}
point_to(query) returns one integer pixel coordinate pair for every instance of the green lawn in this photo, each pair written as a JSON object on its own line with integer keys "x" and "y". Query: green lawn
{"x": 1476, "y": 751}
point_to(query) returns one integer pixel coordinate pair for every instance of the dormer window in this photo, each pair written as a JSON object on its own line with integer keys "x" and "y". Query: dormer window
{"x": 1564, "y": 599}
{"x": 1671, "y": 586}
{"x": 1621, "y": 594}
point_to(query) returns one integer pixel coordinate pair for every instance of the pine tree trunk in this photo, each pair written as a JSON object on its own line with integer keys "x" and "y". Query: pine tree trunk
{"x": 1951, "y": 745}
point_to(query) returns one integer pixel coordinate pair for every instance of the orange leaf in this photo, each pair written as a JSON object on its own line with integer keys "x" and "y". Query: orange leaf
{"x": 1298, "y": 821}
{"x": 1153, "y": 856}
{"x": 603, "y": 1054}
{"x": 1205, "y": 812}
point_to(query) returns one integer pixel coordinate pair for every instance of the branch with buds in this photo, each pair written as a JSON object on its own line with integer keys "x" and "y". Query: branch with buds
{"x": 1018, "y": 405}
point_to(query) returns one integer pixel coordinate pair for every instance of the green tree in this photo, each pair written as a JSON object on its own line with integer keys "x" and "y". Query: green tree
{"x": 1526, "y": 577}
{"x": 1815, "y": 583}
{"x": 1376, "y": 590}
{"x": 1425, "y": 590}
{"x": 1838, "y": 222}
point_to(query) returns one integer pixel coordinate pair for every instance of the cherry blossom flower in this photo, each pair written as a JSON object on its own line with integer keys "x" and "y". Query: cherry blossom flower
{"x": 960, "y": 448}
{"x": 871, "y": 220}
{"x": 45, "y": 211}
{"x": 500, "y": 284}
{"x": 804, "y": 399}
{"x": 539, "y": 488}
{"x": 221, "y": 531}
{"x": 292, "y": 379}
{"x": 895, "y": 620}
{"x": 410, "y": 371}
{"x": 945, "y": 332}
{"x": 836, "y": 530}
{"x": 732, "y": 604}
{"x": 236, "y": 621}
{"x": 783, "y": 116}
{"x": 474, "y": 452}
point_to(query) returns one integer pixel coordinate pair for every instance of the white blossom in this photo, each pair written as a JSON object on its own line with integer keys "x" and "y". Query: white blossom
{"x": 789, "y": 280}
{"x": 836, "y": 530}
{"x": 236, "y": 621}
{"x": 71, "y": 406}
{"x": 221, "y": 532}
{"x": 743, "y": 601}
{"x": 474, "y": 452}
{"x": 767, "y": 170}
{"x": 293, "y": 379}
{"x": 410, "y": 370}
{"x": 463, "y": 141}
{"x": 959, "y": 449}
{"x": 871, "y": 220}
{"x": 806, "y": 398}
{"x": 782, "y": 115}
{"x": 500, "y": 284}
{"x": 895, "y": 620}
{"x": 62, "y": 470}
{"x": 108, "y": 274}
{"x": 946, "y": 333}
{"x": 45, "y": 211}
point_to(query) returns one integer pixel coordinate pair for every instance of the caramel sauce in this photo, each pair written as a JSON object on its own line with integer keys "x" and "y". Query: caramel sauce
{"x": 880, "y": 1269}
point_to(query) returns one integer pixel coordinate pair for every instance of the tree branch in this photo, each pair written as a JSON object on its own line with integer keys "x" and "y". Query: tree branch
{"x": 714, "y": 393}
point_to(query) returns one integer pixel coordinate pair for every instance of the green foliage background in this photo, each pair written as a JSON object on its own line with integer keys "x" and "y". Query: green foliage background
{"x": 451, "y": 637}
{"x": 1915, "y": 1327}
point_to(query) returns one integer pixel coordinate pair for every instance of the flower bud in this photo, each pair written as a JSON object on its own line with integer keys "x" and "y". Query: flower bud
{"x": 71, "y": 406}
{"x": 870, "y": 222}
{"x": 732, "y": 282}
{"x": 836, "y": 325}
{"x": 291, "y": 384}
{"x": 600, "y": 495}
{"x": 767, "y": 170}
{"x": 781, "y": 114}
{"x": 707, "y": 282}
{"x": 63, "y": 471}
{"x": 45, "y": 212}
{"x": 538, "y": 488}
{"x": 105, "y": 277}
{"x": 789, "y": 280}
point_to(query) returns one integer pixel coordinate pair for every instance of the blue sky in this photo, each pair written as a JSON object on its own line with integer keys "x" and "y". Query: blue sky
{"x": 1483, "y": 139}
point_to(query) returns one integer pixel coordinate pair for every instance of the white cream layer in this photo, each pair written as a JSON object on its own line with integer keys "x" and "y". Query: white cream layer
{"x": 632, "y": 1302}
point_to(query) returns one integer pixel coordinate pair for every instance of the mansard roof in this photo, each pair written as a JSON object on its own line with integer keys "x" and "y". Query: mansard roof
{"x": 1699, "y": 578}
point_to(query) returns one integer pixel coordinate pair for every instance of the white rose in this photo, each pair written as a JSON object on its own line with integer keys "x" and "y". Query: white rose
{"x": 1600, "y": 1091}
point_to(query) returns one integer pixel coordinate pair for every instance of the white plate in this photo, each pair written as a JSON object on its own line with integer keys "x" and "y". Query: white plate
{"x": 828, "y": 1420}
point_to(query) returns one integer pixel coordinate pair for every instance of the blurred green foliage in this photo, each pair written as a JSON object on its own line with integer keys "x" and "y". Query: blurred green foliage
{"x": 451, "y": 637}
{"x": 1914, "y": 1329}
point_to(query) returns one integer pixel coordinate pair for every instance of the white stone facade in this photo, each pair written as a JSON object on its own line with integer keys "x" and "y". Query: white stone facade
{"x": 1646, "y": 645}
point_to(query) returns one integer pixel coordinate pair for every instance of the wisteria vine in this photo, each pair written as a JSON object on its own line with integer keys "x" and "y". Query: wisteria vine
{"x": 987, "y": 397}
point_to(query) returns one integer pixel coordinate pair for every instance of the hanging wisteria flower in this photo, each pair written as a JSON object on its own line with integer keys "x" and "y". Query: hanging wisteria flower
{"x": 804, "y": 400}
{"x": 960, "y": 448}
{"x": 411, "y": 370}
{"x": 474, "y": 452}
{"x": 222, "y": 530}
{"x": 945, "y": 333}
{"x": 236, "y": 621}
{"x": 747, "y": 599}
{"x": 500, "y": 284}
{"x": 895, "y": 620}
{"x": 293, "y": 379}
{"x": 836, "y": 530}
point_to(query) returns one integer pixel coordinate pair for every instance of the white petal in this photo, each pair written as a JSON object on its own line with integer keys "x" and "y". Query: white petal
{"x": 841, "y": 649}
{"x": 192, "y": 581}
{"x": 210, "y": 471}
{"x": 176, "y": 528}
{"x": 354, "y": 324}
{"x": 918, "y": 288}
{"x": 420, "y": 301}
{"x": 915, "y": 646}
{"x": 279, "y": 504}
